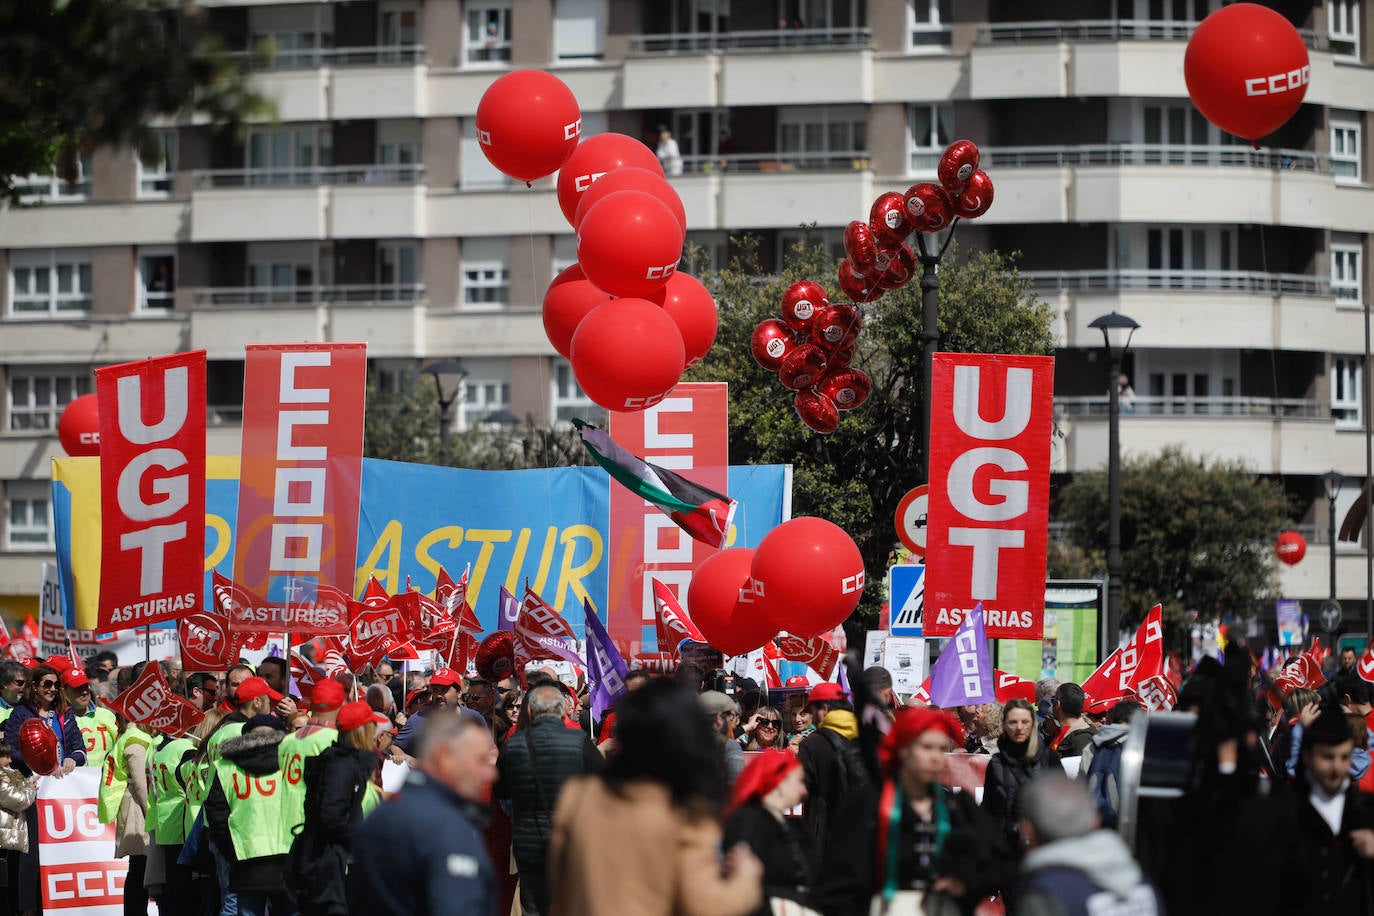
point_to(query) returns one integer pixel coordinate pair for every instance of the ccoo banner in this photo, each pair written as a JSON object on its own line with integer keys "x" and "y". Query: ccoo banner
{"x": 990, "y": 427}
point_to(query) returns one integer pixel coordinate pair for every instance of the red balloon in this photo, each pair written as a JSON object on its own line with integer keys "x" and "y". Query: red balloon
{"x": 721, "y": 602}
{"x": 800, "y": 368}
{"x": 888, "y": 219}
{"x": 627, "y": 354}
{"x": 848, "y": 388}
{"x": 1291, "y": 547}
{"x": 928, "y": 206}
{"x": 595, "y": 157}
{"x": 976, "y": 197}
{"x": 897, "y": 267}
{"x": 570, "y": 298}
{"x": 771, "y": 342}
{"x": 817, "y": 411}
{"x": 38, "y": 745}
{"x": 1247, "y": 69}
{"x": 800, "y": 303}
{"x": 957, "y": 165}
{"x": 690, "y": 304}
{"x": 860, "y": 246}
{"x": 857, "y": 288}
{"x": 528, "y": 124}
{"x": 842, "y": 357}
{"x": 809, "y": 574}
{"x": 78, "y": 429}
{"x": 495, "y": 658}
{"x": 836, "y": 326}
{"x": 631, "y": 178}
{"x": 629, "y": 244}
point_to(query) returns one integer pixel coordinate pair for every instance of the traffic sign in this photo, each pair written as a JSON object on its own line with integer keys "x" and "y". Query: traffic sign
{"x": 911, "y": 520}
{"x": 1330, "y": 615}
{"x": 906, "y": 589}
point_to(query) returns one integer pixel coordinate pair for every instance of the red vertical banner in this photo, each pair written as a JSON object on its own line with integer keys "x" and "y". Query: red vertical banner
{"x": 686, "y": 432}
{"x": 991, "y": 419}
{"x": 300, "y": 475}
{"x": 152, "y": 490}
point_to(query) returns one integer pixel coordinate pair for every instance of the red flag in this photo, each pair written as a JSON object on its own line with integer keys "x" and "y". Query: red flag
{"x": 1140, "y": 659}
{"x": 454, "y": 597}
{"x": 816, "y": 652}
{"x": 671, "y": 621}
{"x": 540, "y": 631}
{"x": 4, "y": 635}
{"x": 922, "y": 693}
{"x": 1011, "y": 687}
{"x": 207, "y": 642}
{"x": 373, "y": 619}
{"x": 77, "y": 663}
{"x": 149, "y": 701}
{"x": 770, "y": 655}
{"x": 431, "y": 627}
{"x": 1102, "y": 683}
{"x": 374, "y": 595}
{"x": 1174, "y": 671}
{"x": 334, "y": 656}
{"x": 306, "y": 675}
{"x": 1156, "y": 693}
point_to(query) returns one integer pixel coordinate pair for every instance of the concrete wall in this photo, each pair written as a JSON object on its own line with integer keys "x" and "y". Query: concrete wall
{"x": 112, "y": 280}
{"x": 442, "y": 272}
{"x": 531, "y": 33}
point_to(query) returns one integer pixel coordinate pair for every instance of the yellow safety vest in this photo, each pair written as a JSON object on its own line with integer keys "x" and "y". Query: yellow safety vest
{"x": 254, "y": 811}
{"x": 372, "y": 797}
{"x": 166, "y": 816}
{"x": 100, "y": 731}
{"x": 292, "y": 753}
{"x": 116, "y": 778}
{"x": 199, "y": 776}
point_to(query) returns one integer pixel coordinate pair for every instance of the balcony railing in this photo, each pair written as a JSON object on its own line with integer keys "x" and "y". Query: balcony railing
{"x": 832, "y": 161}
{"x": 406, "y": 173}
{"x": 1244, "y": 407}
{"x": 1235, "y": 156}
{"x": 397, "y": 294}
{"x": 1235, "y": 281}
{"x": 311, "y": 58}
{"x": 994, "y": 33}
{"x": 766, "y": 40}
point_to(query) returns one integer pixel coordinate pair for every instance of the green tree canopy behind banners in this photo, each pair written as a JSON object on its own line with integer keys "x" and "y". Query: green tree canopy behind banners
{"x": 856, "y": 476}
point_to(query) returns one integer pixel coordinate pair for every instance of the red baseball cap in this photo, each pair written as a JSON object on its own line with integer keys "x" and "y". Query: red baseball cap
{"x": 74, "y": 678}
{"x": 356, "y": 714}
{"x": 797, "y": 680}
{"x": 825, "y": 693}
{"x": 445, "y": 677}
{"x": 328, "y": 695}
{"x": 253, "y": 687}
{"x": 59, "y": 663}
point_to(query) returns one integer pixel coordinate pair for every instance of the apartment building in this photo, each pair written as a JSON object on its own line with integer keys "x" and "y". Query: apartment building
{"x": 367, "y": 211}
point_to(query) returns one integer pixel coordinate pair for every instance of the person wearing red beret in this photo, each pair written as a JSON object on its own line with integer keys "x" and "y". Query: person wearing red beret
{"x": 771, "y": 785}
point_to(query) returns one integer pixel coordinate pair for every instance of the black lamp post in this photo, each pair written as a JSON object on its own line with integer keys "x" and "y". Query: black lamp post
{"x": 448, "y": 375}
{"x": 1117, "y": 331}
{"x": 1332, "y": 481}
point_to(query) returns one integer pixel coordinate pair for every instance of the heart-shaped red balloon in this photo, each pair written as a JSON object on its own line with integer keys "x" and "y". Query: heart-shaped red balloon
{"x": 860, "y": 246}
{"x": 976, "y": 197}
{"x": 801, "y": 367}
{"x": 847, "y": 388}
{"x": 38, "y": 746}
{"x": 928, "y": 207}
{"x": 857, "y": 288}
{"x": 770, "y": 342}
{"x": 957, "y": 165}
{"x": 817, "y": 411}
{"x": 888, "y": 219}
{"x": 835, "y": 326}
{"x": 899, "y": 267}
{"x": 800, "y": 303}
{"x": 496, "y": 656}
{"x": 841, "y": 357}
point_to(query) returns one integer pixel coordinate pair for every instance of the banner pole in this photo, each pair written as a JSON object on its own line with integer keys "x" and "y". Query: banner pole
{"x": 147, "y": 643}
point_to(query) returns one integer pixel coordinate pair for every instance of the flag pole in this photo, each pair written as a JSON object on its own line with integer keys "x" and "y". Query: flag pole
{"x": 147, "y": 643}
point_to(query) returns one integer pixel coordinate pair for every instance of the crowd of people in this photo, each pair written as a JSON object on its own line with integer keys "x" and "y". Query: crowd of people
{"x": 408, "y": 792}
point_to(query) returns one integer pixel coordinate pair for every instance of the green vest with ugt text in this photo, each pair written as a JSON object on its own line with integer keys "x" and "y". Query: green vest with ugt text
{"x": 254, "y": 811}
{"x": 198, "y": 776}
{"x": 291, "y": 757}
{"x": 100, "y": 731}
{"x": 166, "y": 813}
{"x": 5, "y": 714}
{"x": 116, "y": 776}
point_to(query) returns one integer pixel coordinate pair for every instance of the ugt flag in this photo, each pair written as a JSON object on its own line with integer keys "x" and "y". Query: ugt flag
{"x": 963, "y": 674}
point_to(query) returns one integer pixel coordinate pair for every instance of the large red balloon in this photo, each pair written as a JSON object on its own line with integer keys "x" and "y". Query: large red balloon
{"x": 627, "y": 354}
{"x": 629, "y": 244}
{"x": 1247, "y": 69}
{"x": 771, "y": 342}
{"x": 722, "y": 604}
{"x": 570, "y": 298}
{"x": 38, "y": 746}
{"x": 595, "y": 157}
{"x": 631, "y": 178}
{"x": 690, "y": 304}
{"x": 528, "y": 124}
{"x": 817, "y": 411}
{"x": 810, "y": 575}
{"x": 1291, "y": 547}
{"x": 78, "y": 429}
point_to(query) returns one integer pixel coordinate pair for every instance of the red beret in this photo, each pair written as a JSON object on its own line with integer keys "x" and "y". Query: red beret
{"x": 910, "y": 724}
{"x": 761, "y": 776}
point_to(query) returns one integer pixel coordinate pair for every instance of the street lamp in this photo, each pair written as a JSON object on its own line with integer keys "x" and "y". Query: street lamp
{"x": 1332, "y": 481}
{"x": 448, "y": 375}
{"x": 1117, "y": 331}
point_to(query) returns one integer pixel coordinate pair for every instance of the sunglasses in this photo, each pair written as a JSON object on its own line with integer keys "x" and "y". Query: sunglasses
{"x": 769, "y": 723}
{"x": 47, "y": 685}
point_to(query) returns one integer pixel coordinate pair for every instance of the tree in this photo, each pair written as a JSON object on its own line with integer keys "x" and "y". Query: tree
{"x": 75, "y": 74}
{"x": 1196, "y": 534}
{"x": 856, "y": 476}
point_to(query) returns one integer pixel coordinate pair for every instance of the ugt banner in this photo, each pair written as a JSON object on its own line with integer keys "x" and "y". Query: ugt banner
{"x": 302, "y": 455}
{"x": 152, "y": 469}
{"x": 991, "y": 418}
{"x": 79, "y": 874}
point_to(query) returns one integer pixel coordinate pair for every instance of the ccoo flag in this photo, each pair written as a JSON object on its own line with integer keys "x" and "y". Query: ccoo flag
{"x": 606, "y": 669}
{"x": 963, "y": 674}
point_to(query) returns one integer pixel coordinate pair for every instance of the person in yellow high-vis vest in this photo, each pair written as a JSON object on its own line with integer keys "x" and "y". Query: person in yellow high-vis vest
{"x": 99, "y": 728}
{"x": 167, "y": 820}
{"x": 306, "y": 742}
{"x": 123, "y": 801}
{"x": 243, "y": 813}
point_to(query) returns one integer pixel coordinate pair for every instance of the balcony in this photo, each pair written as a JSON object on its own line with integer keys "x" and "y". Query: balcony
{"x": 1232, "y": 156}
{"x": 326, "y": 84}
{"x": 106, "y": 338}
{"x": 391, "y": 174}
{"x": 1102, "y": 30}
{"x": 314, "y": 58}
{"x": 764, "y": 40}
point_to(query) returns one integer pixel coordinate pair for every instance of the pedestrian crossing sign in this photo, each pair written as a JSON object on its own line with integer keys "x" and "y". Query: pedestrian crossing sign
{"x": 906, "y": 590}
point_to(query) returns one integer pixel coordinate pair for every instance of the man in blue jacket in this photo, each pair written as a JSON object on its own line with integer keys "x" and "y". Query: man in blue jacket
{"x": 422, "y": 851}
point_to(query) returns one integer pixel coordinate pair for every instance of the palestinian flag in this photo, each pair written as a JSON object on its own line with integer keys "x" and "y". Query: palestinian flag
{"x": 702, "y": 513}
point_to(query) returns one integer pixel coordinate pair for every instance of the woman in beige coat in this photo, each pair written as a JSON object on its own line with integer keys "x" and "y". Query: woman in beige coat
{"x": 642, "y": 838}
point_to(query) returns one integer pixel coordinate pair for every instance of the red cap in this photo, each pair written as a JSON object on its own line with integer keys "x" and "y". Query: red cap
{"x": 412, "y": 697}
{"x": 327, "y": 696}
{"x": 827, "y": 693}
{"x": 358, "y": 713}
{"x": 253, "y": 687}
{"x": 59, "y": 663}
{"x": 797, "y": 680}
{"x": 74, "y": 678}
{"x": 445, "y": 677}
{"x": 28, "y": 661}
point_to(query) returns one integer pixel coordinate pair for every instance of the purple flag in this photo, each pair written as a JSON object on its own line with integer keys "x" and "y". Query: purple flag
{"x": 606, "y": 670}
{"x": 507, "y": 611}
{"x": 963, "y": 673}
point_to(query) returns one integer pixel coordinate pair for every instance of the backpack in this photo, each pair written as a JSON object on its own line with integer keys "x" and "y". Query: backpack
{"x": 849, "y": 775}
{"x": 1104, "y": 782}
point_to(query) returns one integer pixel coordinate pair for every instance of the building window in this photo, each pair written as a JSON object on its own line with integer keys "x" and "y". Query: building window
{"x": 481, "y": 398}
{"x": 928, "y": 23}
{"x": 51, "y": 187}
{"x": 569, "y": 400}
{"x": 488, "y": 32}
{"x": 1345, "y": 145}
{"x": 397, "y": 275}
{"x": 156, "y": 280}
{"x": 157, "y": 164}
{"x": 1347, "y": 383}
{"x": 50, "y": 283}
{"x": 1343, "y": 26}
{"x": 579, "y": 29}
{"x": 28, "y": 509}
{"x": 289, "y": 155}
{"x": 829, "y": 137}
{"x": 932, "y": 129}
{"x": 399, "y": 27}
{"x": 1176, "y": 258}
{"x": 35, "y": 398}
{"x": 486, "y": 274}
{"x": 1345, "y": 274}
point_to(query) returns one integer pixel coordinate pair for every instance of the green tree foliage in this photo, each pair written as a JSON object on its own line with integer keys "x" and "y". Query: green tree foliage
{"x": 856, "y": 476}
{"x": 76, "y": 74}
{"x": 1196, "y": 535}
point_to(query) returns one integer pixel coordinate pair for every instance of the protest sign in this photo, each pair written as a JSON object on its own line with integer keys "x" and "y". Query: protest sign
{"x": 79, "y": 875}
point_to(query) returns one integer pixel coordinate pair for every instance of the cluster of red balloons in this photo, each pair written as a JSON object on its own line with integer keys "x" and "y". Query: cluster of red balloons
{"x": 1247, "y": 69}
{"x": 805, "y": 577}
{"x": 810, "y": 348}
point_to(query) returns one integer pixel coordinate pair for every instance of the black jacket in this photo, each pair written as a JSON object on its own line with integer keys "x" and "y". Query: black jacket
{"x": 838, "y": 820}
{"x": 556, "y": 752}
{"x": 336, "y": 780}
{"x": 256, "y": 755}
{"x": 1009, "y": 770}
{"x": 788, "y": 859}
{"x": 72, "y": 745}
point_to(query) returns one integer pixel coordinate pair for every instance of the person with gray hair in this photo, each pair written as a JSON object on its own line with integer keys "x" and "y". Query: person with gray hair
{"x": 1071, "y": 865}
{"x": 724, "y": 713}
{"x": 1044, "y": 707}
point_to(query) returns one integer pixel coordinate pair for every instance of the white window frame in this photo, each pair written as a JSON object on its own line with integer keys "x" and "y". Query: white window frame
{"x": 563, "y": 35}
{"x": 480, "y": 398}
{"x": 34, "y": 500}
{"x": 52, "y": 261}
{"x": 928, "y": 26}
{"x": 486, "y": 275}
{"x": 398, "y": 289}
{"x": 930, "y": 128}
{"x": 1347, "y": 146}
{"x": 1343, "y": 27}
{"x": 1347, "y": 389}
{"x": 155, "y": 180}
{"x": 566, "y": 397}
{"x": 150, "y": 302}
{"x": 51, "y": 188}
{"x": 813, "y": 123}
{"x": 478, "y": 51}
{"x": 398, "y": 10}
{"x": 31, "y": 415}
{"x": 1347, "y": 279}
{"x": 318, "y": 139}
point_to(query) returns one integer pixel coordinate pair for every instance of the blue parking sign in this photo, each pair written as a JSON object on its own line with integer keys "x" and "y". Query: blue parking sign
{"x": 906, "y": 598}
